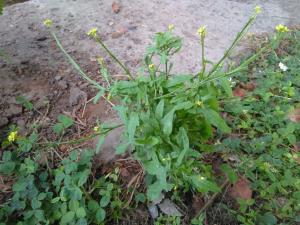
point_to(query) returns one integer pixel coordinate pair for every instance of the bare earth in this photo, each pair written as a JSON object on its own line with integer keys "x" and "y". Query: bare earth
{"x": 38, "y": 70}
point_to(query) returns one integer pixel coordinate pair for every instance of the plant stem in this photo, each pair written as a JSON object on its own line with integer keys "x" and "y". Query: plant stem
{"x": 72, "y": 61}
{"x": 211, "y": 200}
{"x": 239, "y": 36}
{"x": 114, "y": 57}
{"x": 166, "y": 67}
{"x": 80, "y": 140}
{"x": 203, "y": 59}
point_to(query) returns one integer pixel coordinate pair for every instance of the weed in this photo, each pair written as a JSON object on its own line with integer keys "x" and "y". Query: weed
{"x": 168, "y": 118}
{"x": 54, "y": 191}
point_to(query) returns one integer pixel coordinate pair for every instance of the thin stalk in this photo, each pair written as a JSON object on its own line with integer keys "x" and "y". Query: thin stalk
{"x": 239, "y": 36}
{"x": 212, "y": 199}
{"x": 80, "y": 140}
{"x": 114, "y": 57}
{"x": 72, "y": 61}
{"x": 166, "y": 68}
{"x": 203, "y": 58}
{"x": 236, "y": 70}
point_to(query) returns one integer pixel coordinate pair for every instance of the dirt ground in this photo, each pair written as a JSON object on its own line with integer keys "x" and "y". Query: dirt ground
{"x": 35, "y": 68}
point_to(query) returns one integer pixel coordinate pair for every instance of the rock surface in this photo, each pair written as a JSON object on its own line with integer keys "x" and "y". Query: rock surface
{"x": 34, "y": 65}
{"x": 22, "y": 24}
{"x": 169, "y": 208}
{"x": 107, "y": 151}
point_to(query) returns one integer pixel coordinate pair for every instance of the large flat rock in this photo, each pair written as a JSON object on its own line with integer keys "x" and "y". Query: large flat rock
{"x": 21, "y": 26}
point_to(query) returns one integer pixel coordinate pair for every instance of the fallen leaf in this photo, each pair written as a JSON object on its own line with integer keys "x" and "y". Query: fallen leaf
{"x": 241, "y": 189}
{"x": 294, "y": 116}
{"x": 239, "y": 92}
{"x": 115, "y": 7}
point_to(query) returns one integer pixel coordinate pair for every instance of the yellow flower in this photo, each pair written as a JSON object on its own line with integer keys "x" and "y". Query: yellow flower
{"x": 12, "y": 136}
{"x": 171, "y": 27}
{"x": 202, "y": 31}
{"x": 199, "y": 103}
{"x": 96, "y": 129}
{"x": 257, "y": 9}
{"x": 92, "y": 33}
{"x": 48, "y": 23}
{"x": 281, "y": 28}
{"x": 151, "y": 67}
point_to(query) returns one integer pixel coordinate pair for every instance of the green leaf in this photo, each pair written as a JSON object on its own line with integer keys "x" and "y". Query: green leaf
{"x": 180, "y": 79}
{"x": 73, "y": 155}
{"x": 68, "y": 217}
{"x": 122, "y": 148}
{"x": 100, "y": 215}
{"x": 42, "y": 196}
{"x": 149, "y": 141}
{"x": 100, "y": 143}
{"x": 56, "y": 199}
{"x": 291, "y": 138}
{"x": 140, "y": 197}
{"x": 73, "y": 205}
{"x": 230, "y": 173}
{"x": 35, "y": 203}
{"x": 215, "y": 119}
{"x": 82, "y": 221}
{"x": 83, "y": 177}
{"x": 184, "y": 105}
{"x": 225, "y": 83}
{"x": 80, "y": 212}
{"x": 267, "y": 219}
{"x": 7, "y": 167}
{"x": 98, "y": 95}
{"x": 153, "y": 168}
{"x": 132, "y": 125}
{"x": 6, "y": 156}
{"x": 122, "y": 111}
{"x": 33, "y": 137}
{"x": 58, "y": 128}
{"x": 167, "y": 122}
{"x": 24, "y": 102}
{"x": 93, "y": 205}
{"x": 65, "y": 120}
{"x": 39, "y": 214}
{"x": 159, "y": 111}
{"x": 105, "y": 200}
{"x": 184, "y": 144}
{"x": 203, "y": 185}
{"x": 154, "y": 190}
